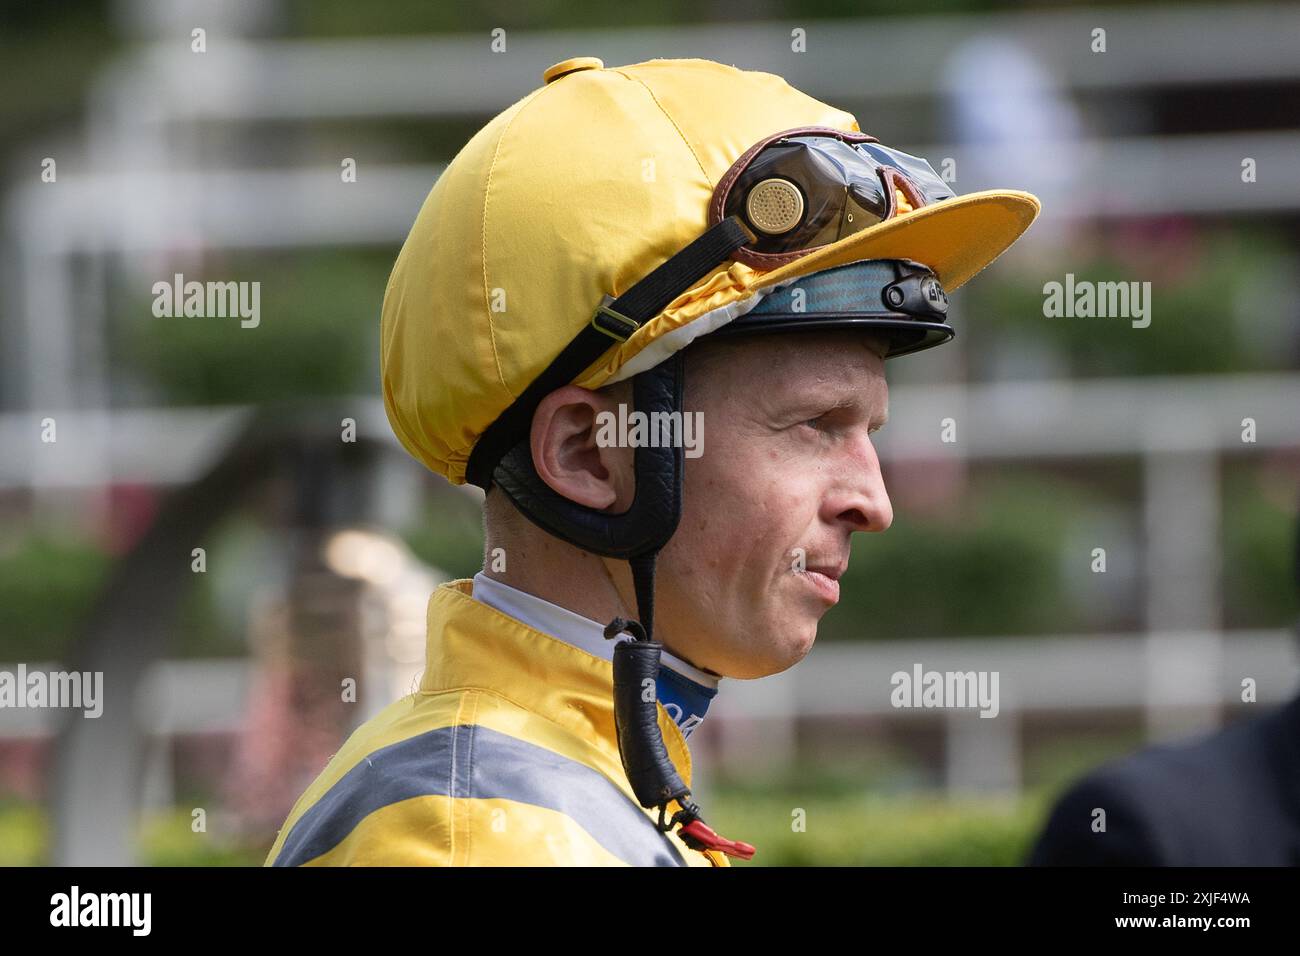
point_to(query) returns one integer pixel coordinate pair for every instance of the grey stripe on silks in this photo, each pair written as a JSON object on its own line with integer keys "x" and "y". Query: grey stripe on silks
{"x": 487, "y": 764}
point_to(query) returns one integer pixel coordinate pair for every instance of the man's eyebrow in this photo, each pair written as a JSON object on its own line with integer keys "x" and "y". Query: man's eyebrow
{"x": 853, "y": 402}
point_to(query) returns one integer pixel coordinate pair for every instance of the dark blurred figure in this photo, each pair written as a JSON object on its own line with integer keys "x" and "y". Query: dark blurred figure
{"x": 1230, "y": 798}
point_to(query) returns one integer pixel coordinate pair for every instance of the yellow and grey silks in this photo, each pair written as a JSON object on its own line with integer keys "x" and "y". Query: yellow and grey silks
{"x": 505, "y": 756}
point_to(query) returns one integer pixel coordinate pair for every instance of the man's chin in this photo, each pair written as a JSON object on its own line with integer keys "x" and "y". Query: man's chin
{"x": 783, "y": 650}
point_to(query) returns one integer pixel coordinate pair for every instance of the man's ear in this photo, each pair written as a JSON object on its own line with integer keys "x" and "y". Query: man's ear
{"x": 570, "y": 459}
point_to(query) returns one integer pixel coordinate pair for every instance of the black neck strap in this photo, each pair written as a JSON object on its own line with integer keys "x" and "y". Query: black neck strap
{"x": 610, "y": 324}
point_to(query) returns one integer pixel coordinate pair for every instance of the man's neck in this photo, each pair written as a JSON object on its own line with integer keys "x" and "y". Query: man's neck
{"x": 684, "y": 690}
{"x": 595, "y": 588}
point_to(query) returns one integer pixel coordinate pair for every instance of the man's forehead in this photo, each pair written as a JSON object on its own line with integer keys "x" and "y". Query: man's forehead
{"x": 837, "y": 357}
{"x": 841, "y": 373}
{"x": 839, "y": 366}
{"x": 791, "y": 346}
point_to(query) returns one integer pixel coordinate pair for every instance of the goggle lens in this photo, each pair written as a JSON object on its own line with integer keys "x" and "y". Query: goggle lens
{"x": 921, "y": 173}
{"x": 804, "y": 191}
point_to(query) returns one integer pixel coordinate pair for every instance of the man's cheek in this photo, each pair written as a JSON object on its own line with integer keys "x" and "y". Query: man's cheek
{"x": 789, "y": 497}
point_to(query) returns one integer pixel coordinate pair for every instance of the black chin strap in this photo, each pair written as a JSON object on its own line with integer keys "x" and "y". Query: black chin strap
{"x": 643, "y": 580}
{"x": 649, "y": 768}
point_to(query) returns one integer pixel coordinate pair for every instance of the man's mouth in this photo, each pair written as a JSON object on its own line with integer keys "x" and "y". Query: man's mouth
{"x": 826, "y": 580}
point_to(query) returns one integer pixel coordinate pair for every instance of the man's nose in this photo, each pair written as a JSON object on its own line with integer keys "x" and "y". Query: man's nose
{"x": 861, "y": 499}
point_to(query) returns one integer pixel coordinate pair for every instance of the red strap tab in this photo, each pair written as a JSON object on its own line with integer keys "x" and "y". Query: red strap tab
{"x": 712, "y": 841}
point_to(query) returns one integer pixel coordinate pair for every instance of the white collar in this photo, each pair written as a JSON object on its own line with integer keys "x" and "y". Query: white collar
{"x": 563, "y": 624}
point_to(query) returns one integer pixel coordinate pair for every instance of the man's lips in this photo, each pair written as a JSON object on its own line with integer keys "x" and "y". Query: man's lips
{"x": 826, "y": 580}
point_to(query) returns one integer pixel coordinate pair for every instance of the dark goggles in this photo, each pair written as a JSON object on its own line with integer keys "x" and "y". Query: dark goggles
{"x": 803, "y": 188}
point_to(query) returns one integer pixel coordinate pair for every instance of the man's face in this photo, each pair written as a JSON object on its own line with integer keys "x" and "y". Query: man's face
{"x": 787, "y": 469}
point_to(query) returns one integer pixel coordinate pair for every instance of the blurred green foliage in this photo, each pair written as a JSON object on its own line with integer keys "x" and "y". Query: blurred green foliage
{"x": 450, "y": 538}
{"x": 165, "y": 839}
{"x": 871, "y": 830}
{"x": 168, "y": 839}
{"x": 24, "y": 837}
{"x": 993, "y": 572}
{"x": 47, "y": 587}
{"x": 318, "y": 335}
{"x": 1066, "y": 755}
{"x": 858, "y": 830}
{"x": 1261, "y": 579}
{"x": 51, "y": 52}
{"x": 878, "y": 809}
{"x": 1217, "y": 301}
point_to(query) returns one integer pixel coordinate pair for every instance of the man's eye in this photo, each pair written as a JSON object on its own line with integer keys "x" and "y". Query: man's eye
{"x": 826, "y": 422}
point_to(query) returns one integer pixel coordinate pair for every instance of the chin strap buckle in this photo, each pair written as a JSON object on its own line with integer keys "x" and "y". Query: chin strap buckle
{"x": 698, "y": 835}
{"x": 616, "y": 325}
{"x": 620, "y": 624}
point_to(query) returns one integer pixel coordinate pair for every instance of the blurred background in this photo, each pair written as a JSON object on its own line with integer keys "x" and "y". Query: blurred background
{"x": 219, "y": 520}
